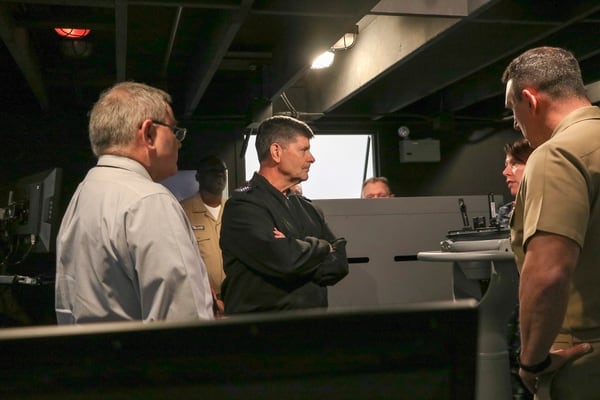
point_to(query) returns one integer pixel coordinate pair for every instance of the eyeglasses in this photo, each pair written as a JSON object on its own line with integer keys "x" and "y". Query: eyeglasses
{"x": 177, "y": 131}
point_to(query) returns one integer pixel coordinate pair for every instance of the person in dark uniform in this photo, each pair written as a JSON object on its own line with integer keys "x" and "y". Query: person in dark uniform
{"x": 517, "y": 154}
{"x": 278, "y": 252}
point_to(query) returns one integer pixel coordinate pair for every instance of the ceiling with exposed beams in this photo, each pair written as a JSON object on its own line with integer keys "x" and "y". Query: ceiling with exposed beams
{"x": 436, "y": 60}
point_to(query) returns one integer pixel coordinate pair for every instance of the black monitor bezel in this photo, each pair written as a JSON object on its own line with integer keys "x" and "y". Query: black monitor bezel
{"x": 39, "y": 197}
{"x": 292, "y": 355}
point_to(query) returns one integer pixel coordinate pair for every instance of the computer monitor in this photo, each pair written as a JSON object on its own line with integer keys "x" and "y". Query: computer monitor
{"x": 37, "y": 208}
{"x": 421, "y": 351}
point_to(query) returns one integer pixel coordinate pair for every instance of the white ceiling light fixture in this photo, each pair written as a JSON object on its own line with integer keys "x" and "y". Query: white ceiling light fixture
{"x": 347, "y": 41}
{"x": 325, "y": 60}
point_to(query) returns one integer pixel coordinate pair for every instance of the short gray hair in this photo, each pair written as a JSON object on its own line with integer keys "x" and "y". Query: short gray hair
{"x": 119, "y": 112}
{"x": 551, "y": 70}
{"x": 376, "y": 179}
{"x": 279, "y": 129}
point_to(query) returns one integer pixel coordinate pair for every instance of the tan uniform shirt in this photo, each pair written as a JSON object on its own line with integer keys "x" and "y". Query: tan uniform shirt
{"x": 207, "y": 230}
{"x": 560, "y": 194}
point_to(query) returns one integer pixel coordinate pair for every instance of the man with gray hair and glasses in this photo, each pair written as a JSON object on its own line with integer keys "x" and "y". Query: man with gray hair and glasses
{"x": 125, "y": 248}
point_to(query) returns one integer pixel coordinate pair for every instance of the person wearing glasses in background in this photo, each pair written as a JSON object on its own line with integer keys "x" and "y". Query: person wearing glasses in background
{"x": 376, "y": 187}
{"x": 125, "y": 249}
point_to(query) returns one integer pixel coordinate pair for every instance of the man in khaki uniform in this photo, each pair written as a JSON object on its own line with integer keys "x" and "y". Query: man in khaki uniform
{"x": 555, "y": 226}
{"x": 204, "y": 210}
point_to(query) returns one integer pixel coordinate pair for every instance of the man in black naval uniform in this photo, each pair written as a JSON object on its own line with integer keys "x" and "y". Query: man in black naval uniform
{"x": 278, "y": 252}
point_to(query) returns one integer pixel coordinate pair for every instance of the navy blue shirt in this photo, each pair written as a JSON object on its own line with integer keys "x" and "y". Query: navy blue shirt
{"x": 264, "y": 273}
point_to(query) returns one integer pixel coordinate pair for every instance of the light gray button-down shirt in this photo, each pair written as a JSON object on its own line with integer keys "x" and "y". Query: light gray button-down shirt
{"x": 126, "y": 251}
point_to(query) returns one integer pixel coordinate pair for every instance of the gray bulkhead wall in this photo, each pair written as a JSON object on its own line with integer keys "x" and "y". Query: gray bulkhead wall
{"x": 385, "y": 235}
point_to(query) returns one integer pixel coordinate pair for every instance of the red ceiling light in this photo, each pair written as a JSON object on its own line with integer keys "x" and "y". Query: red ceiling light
{"x": 72, "y": 33}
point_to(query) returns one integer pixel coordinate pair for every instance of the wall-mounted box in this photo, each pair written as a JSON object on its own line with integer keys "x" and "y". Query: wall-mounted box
{"x": 425, "y": 150}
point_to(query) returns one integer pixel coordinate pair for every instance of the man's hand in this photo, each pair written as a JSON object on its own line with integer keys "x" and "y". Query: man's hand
{"x": 559, "y": 358}
{"x": 545, "y": 280}
{"x": 218, "y": 305}
{"x": 278, "y": 234}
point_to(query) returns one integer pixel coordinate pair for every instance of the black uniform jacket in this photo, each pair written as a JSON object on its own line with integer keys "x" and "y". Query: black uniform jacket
{"x": 264, "y": 273}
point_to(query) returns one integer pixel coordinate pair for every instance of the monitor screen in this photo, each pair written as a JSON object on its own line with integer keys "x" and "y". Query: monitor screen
{"x": 36, "y": 208}
{"x": 421, "y": 351}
